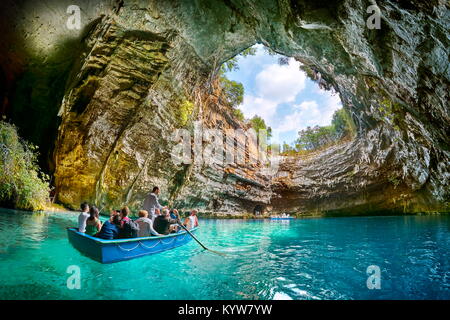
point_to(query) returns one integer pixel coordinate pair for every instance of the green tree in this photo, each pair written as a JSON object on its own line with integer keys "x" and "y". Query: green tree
{"x": 22, "y": 185}
{"x": 238, "y": 114}
{"x": 316, "y": 137}
{"x": 233, "y": 63}
{"x": 233, "y": 91}
{"x": 342, "y": 123}
{"x": 258, "y": 123}
{"x": 287, "y": 148}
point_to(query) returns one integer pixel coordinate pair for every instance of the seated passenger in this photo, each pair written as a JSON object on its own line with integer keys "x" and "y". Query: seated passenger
{"x": 191, "y": 221}
{"x": 83, "y": 217}
{"x": 93, "y": 224}
{"x": 127, "y": 228}
{"x": 174, "y": 214}
{"x": 164, "y": 224}
{"x": 110, "y": 229}
{"x": 124, "y": 213}
{"x": 145, "y": 225}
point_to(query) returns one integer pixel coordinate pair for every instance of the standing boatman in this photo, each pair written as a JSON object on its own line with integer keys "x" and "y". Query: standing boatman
{"x": 151, "y": 203}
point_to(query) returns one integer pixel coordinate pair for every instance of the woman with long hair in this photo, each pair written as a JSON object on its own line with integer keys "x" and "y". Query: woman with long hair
{"x": 93, "y": 224}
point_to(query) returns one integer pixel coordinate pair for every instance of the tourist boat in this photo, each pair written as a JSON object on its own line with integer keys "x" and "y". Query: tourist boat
{"x": 282, "y": 218}
{"x": 108, "y": 251}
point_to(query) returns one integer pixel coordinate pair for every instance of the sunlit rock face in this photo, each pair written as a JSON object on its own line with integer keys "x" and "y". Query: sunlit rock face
{"x": 145, "y": 68}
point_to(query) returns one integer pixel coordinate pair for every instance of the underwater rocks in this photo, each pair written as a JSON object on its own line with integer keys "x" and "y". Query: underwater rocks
{"x": 145, "y": 69}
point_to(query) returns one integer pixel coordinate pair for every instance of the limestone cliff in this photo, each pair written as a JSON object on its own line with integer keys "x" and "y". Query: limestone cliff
{"x": 140, "y": 69}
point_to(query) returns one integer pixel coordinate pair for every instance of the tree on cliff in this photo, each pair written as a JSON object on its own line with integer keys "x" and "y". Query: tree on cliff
{"x": 316, "y": 137}
{"x": 22, "y": 185}
{"x": 233, "y": 91}
{"x": 258, "y": 123}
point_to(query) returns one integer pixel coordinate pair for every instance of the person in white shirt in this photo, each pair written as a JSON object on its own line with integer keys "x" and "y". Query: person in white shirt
{"x": 82, "y": 218}
{"x": 191, "y": 221}
{"x": 151, "y": 203}
{"x": 145, "y": 225}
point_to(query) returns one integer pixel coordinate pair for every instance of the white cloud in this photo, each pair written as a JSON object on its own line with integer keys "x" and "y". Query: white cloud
{"x": 275, "y": 92}
{"x": 309, "y": 113}
{"x": 260, "y": 106}
{"x": 305, "y": 114}
{"x": 274, "y": 85}
{"x": 330, "y": 105}
{"x": 306, "y": 106}
{"x": 280, "y": 83}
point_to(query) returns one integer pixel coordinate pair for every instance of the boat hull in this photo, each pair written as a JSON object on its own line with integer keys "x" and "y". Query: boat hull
{"x": 291, "y": 218}
{"x": 109, "y": 251}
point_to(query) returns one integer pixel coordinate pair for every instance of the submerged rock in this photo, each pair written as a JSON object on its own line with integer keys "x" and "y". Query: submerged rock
{"x": 141, "y": 69}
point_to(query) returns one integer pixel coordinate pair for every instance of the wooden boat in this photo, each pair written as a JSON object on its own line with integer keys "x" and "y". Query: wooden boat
{"x": 108, "y": 251}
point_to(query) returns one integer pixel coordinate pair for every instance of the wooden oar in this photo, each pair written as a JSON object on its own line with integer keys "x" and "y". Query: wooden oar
{"x": 198, "y": 241}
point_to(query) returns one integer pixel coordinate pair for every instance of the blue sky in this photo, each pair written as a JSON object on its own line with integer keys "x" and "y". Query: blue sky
{"x": 283, "y": 96}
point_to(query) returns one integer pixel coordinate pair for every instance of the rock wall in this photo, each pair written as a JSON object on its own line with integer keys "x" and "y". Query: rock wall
{"x": 142, "y": 69}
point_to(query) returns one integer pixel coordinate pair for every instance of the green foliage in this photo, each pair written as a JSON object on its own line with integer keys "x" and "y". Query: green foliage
{"x": 343, "y": 124}
{"x": 233, "y": 91}
{"x": 238, "y": 114}
{"x": 232, "y": 64}
{"x": 394, "y": 179}
{"x": 185, "y": 111}
{"x": 313, "y": 138}
{"x": 286, "y": 147}
{"x": 288, "y": 150}
{"x": 258, "y": 123}
{"x": 392, "y": 112}
{"x": 317, "y": 77}
{"x": 22, "y": 185}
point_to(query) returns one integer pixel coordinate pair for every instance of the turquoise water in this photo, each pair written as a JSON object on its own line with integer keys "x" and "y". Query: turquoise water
{"x": 316, "y": 258}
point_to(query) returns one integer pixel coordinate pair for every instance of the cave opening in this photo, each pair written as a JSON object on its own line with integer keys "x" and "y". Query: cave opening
{"x": 258, "y": 210}
{"x": 298, "y": 106}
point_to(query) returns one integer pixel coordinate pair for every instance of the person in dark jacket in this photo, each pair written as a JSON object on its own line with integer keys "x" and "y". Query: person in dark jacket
{"x": 127, "y": 228}
{"x": 164, "y": 224}
{"x": 110, "y": 229}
